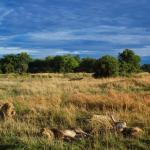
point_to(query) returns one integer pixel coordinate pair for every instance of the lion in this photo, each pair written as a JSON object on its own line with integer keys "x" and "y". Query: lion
{"x": 65, "y": 134}
{"x": 132, "y": 132}
{"x": 121, "y": 127}
{"x": 46, "y": 133}
{"x": 7, "y": 111}
{"x": 118, "y": 125}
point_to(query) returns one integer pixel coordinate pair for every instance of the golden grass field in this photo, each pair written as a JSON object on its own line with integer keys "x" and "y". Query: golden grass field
{"x": 65, "y": 100}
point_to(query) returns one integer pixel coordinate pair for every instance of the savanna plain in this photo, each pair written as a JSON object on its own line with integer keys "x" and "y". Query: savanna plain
{"x": 69, "y": 100}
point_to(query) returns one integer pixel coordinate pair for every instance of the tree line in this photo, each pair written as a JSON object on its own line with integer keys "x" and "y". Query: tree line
{"x": 126, "y": 63}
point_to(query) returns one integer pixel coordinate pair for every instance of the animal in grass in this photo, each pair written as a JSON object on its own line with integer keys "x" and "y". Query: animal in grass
{"x": 132, "y": 132}
{"x": 80, "y": 132}
{"x": 74, "y": 133}
{"x": 69, "y": 134}
{"x": 66, "y": 134}
{"x": 99, "y": 123}
{"x": 46, "y": 133}
{"x": 118, "y": 125}
{"x": 102, "y": 121}
{"x": 7, "y": 111}
{"x": 57, "y": 133}
{"x": 121, "y": 127}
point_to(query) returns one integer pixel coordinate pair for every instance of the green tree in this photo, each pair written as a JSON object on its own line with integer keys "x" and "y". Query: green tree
{"x": 37, "y": 66}
{"x": 146, "y": 68}
{"x": 65, "y": 63}
{"x": 15, "y": 63}
{"x": 87, "y": 65}
{"x": 106, "y": 66}
{"x": 129, "y": 62}
{"x": 23, "y": 60}
{"x": 70, "y": 63}
{"x": 8, "y": 63}
{"x": 58, "y": 64}
{"x": 8, "y": 68}
{"x": 48, "y": 64}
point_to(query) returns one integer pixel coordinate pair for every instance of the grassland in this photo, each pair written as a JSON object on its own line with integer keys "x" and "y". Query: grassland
{"x": 65, "y": 100}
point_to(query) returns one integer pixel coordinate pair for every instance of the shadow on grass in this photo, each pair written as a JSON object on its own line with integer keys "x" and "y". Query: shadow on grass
{"x": 7, "y": 147}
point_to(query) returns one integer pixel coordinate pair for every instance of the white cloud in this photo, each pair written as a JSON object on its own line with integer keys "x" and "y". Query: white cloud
{"x": 144, "y": 51}
{"x": 79, "y": 52}
{"x": 41, "y": 53}
{"x": 141, "y": 51}
{"x": 15, "y": 50}
{"x": 4, "y": 14}
{"x": 111, "y": 34}
{"x": 121, "y": 36}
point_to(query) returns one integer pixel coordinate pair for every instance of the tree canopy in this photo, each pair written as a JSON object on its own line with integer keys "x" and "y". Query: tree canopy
{"x": 146, "y": 67}
{"x": 128, "y": 62}
{"x": 106, "y": 66}
{"x": 15, "y": 63}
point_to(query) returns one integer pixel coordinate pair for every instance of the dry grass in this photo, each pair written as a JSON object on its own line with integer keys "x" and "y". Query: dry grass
{"x": 61, "y": 100}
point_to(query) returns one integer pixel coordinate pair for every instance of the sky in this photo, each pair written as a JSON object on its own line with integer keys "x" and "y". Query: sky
{"x": 89, "y": 28}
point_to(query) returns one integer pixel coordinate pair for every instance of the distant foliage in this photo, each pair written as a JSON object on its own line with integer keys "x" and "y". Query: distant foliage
{"x": 65, "y": 63}
{"x": 128, "y": 62}
{"x": 15, "y": 63}
{"x": 37, "y": 66}
{"x": 87, "y": 65}
{"x": 106, "y": 66}
{"x": 146, "y": 68}
{"x": 23, "y": 59}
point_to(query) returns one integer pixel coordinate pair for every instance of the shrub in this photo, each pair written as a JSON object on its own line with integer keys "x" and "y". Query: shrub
{"x": 146, "y": 68}
{"x": 129, "y": 62}
{"x": 65, "y": 63}
{"x": 86, "y": 65}
{"x": 106, "y": 66}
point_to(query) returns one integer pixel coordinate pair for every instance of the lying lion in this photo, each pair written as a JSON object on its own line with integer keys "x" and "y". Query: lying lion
{"x": 7, "y": 111}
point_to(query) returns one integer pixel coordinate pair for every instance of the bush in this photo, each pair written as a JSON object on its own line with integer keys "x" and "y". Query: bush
{"x": 86, "y": 65}
{"x": 8, "y": 68}
{"x": 66, "y": 63}
{"x": 37, "y": 66}
{"x": 106, "y": 66}
{"x": 146, "y": 68}
{"x": 129, "y": 62}
{"x": 15, "y": 63}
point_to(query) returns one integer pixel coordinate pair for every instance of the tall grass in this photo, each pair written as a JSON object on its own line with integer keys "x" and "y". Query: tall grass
{"x": 66, "y": 100}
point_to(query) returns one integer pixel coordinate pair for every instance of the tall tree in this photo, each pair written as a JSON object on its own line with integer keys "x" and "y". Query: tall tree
{"x": 8, "y": 63}
{"x": 23, "y": 60}
{"x": 37, "y": 66}
{"x": 87, "y": 65}
{"x": 129, "y": 61}
{"x": 106, "y": 66}
{"x": 65, "y": 63}
{"x": 146, "y": 68}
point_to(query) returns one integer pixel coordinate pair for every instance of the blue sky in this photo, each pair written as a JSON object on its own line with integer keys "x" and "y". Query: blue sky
{"x": 86, "y": 27}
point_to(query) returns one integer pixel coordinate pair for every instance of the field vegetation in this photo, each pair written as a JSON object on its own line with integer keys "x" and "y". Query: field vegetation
{"x": 69, "y": 100}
